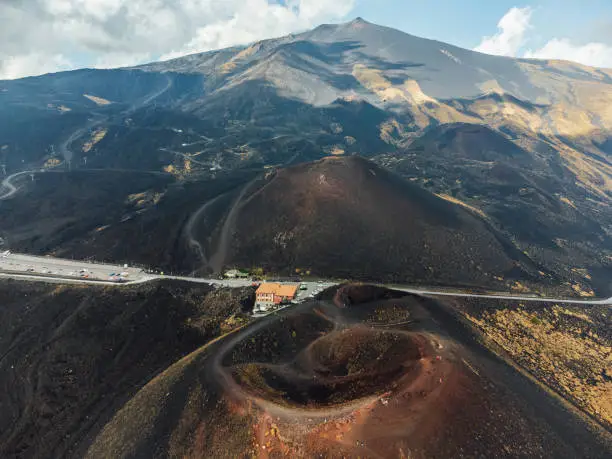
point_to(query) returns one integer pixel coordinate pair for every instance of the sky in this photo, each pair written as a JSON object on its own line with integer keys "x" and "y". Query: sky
{"x": 41, "y": 36}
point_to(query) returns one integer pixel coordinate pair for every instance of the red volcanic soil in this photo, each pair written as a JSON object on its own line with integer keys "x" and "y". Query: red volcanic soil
{"x": 395, "y": 377}
{"x": 349, "y": 218}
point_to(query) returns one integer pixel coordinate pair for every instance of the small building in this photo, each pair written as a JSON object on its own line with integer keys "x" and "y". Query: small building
{"x": 235, "y": 274}
{"x": 271, "y": 294}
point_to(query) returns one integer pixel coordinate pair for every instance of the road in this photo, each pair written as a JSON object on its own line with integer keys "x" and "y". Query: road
{"x": 29, "y": 265}
{"x": 501, "y": 296}
{"x": 218, "y": 258}
{"x": 57, "y": 270}
{"x": 150, "y": 97}
{"x": 189, "y": 229}
{"x": 186, "y": 157}
{"x": 8, "y": 189}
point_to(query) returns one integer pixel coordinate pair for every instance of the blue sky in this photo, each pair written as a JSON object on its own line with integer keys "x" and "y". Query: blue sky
{"x": 465, "y": 22}
{"x": 40, "y": 36}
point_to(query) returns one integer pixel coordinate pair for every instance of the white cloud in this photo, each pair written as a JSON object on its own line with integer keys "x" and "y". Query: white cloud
{"x": 595, "y": 54}
{"x": 39, "y": 36}
{"x": 118, "y": 59}
{"x": 33, "y": 64}
{"x": 256, "y": 19}
{"x": 511, "y": 34}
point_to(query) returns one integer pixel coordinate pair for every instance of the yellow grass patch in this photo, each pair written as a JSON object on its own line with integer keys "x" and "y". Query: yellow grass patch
{"x": 180, "y": 169}
{"x": 583, "y": 272}
{"x": 97, "y": 100}
{"x": 567, "y": 312}
{"x": 96, "y": 137}
{"x": 51, "y": 163}
{"x": 568, "y": 202}
{"x": 232, "y": 63}
{"x": 569, "y": 358}
{"x": 144, "y": 199}
{"x": 518, "y": 287}
{"x": 334, "y": 150}
{"x": 454, "y": 200}
{"x": 583, "y": 291}
{"x": 228, "y": 67}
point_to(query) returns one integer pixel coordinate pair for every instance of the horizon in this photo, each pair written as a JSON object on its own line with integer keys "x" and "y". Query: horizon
{"x": 110, "y": 34}
{"x": 297, "y": 33}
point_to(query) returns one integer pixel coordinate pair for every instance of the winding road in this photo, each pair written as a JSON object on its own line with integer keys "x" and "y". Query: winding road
{"x": 8, "y": 189}
{"x": 75, "y": 265}
{"x": 217, "y": 259}
{"x": 189, "y": 228}
{"x": 64, "y": 147}
{"x": 7, "y": 186}
{"x": 500, "y": 296}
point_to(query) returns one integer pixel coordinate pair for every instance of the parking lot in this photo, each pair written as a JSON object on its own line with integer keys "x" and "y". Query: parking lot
{"x": 312, "y": 289}
{"x": 54, "y": 267}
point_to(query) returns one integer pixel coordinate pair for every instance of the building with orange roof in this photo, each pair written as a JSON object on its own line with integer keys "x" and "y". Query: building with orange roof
{"x": 271, "y": 294}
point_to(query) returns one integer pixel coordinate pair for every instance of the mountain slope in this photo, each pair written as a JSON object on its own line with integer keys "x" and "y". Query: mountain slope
{"x": 346, "y": 217}
{"x": 73, "y": 355}
{"x": 380, "y": 374}
{"x": 526, "y": 142}
{"x": 279, "y": 87}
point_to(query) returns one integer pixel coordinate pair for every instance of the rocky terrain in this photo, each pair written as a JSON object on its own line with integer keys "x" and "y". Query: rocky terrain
{"x": 71, "y": 356}
{"x": 121, "y": 216}
{"x": 375, "y": 375}
{"x": 351, "y": 151}
{"x": 567, "y": 347}
{"x": 348, "y": 218}
{"x": 176, "y": 369}
{"x": 523, "y": 143}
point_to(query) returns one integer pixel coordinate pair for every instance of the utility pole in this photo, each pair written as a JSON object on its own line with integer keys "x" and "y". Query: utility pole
{"x": 85, "y": 160}
{"x": 32, "y": 177}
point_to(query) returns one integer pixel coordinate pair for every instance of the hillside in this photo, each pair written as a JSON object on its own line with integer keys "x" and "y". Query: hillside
{"x": 386, "y": 375}
{"x": 524, "y": 143}
{"x": 138, "y": 371}
{"x": 351, "y": 152}
{"x": 347, "y": 217}
{"x": 529, "y": 197}
{"x": 296, "y": 87}
{"x": 71, "y": 356}
{"x": 114, "y": 215}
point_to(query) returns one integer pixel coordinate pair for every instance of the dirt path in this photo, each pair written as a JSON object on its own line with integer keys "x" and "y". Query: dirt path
{"x": 8, "y": 187}
{"x": 151, "y": 97}
{"x": 65, "y": 150}
{"x": 185, "y": 156}
{"x": 217, "y": 260}
{"x": 191, "y": 223}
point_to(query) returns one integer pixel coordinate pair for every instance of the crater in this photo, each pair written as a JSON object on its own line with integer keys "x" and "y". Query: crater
{"x": 340, "y": 367}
